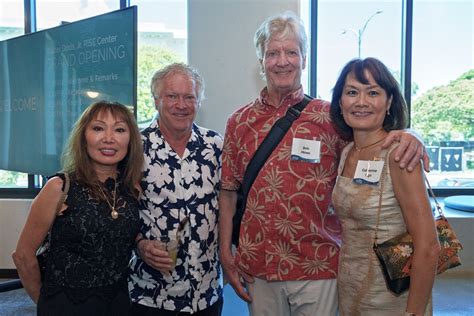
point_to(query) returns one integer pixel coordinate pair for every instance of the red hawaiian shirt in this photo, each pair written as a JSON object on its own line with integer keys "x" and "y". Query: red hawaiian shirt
{"x": 288, "y": 231}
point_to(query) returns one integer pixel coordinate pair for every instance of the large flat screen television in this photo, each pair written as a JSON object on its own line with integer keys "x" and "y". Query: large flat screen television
{"x": 48, "y": 78}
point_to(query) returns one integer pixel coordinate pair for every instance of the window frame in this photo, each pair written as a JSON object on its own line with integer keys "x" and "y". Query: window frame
{"x": 405, "y": 75}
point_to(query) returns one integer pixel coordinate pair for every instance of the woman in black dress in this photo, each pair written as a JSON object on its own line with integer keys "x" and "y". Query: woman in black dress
{"x": 93, "y": 228}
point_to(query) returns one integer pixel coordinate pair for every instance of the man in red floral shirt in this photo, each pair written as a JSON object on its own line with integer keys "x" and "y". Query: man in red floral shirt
{"x": 289, "y": 237}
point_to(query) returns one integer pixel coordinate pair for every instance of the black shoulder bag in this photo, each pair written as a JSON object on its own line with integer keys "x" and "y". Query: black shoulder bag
{"x": 273, "y": 138}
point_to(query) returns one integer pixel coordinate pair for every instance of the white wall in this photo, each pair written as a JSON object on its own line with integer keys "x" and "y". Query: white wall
{"x": 220, "y": 39}
{"x": 13, "y": 214}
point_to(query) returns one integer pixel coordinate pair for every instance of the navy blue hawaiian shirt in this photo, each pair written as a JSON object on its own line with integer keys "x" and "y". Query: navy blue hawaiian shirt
{"x": 176, "y": 187}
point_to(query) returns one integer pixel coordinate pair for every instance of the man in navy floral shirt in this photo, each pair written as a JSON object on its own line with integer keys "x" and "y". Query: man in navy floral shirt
{"x": 180, "y": 185}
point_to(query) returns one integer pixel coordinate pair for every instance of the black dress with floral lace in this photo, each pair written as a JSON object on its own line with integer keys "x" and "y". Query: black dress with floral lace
{"x": 90, "y": 250}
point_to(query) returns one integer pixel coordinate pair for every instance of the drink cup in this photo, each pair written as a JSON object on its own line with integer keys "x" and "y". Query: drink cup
{"x": 170, "y": 245}
{"x": 172, "y": 248}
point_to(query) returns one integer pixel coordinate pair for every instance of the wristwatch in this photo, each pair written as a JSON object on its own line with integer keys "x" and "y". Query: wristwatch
{"x": 410, "y": 314}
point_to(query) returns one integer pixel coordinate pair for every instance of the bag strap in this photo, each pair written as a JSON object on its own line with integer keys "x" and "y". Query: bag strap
{"x": 64, "y": 193}
{"x": 382, "y": 181}
{"x": 431, "y": 193}
{"x": 271, "y": 141}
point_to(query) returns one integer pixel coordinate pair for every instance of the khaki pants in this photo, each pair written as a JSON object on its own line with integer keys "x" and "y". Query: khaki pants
{"x": 293, "y": 298}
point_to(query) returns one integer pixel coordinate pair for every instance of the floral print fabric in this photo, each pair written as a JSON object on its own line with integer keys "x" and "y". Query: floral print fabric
{"x": 174, "y": 188}
{"x": 288, "y": 231}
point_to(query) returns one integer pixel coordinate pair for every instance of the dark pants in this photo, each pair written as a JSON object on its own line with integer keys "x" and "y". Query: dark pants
{"x": 142, "y": 310}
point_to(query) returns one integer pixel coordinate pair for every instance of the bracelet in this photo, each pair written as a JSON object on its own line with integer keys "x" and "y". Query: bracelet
{"x": 410, "y": 314}
{"x": 138, "y": 241}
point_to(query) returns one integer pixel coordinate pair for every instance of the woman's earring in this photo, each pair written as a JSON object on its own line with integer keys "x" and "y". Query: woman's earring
{"x": 388, "y": 112}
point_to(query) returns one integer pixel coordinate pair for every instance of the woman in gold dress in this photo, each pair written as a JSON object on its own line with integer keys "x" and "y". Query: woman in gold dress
{"x": 366, "y": 105}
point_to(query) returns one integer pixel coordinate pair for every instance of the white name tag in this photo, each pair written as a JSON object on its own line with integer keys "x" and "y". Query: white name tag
{"x": 368, "y": 172}
{"x": 306, "y": 150}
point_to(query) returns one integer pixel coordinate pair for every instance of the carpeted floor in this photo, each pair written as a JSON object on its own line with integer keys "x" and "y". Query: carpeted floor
{"x": 453, "y": 295}
{"x": 16, "y": 303}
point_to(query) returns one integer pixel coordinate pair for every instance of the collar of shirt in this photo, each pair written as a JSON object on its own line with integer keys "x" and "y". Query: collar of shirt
{"x": 289, "y": 100}
{"x": 195, "y": 141}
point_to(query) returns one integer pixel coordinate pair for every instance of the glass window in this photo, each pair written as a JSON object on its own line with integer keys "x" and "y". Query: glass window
{"x": 11, "y": 25}
{"x": 11, "y": 19}
{"x": 443, "y": 78}
{"x": 162, "y": 40}
{"x": 51, "y": 13}
{"x": 352, "y": 29}
{"x": 10, "y": 179}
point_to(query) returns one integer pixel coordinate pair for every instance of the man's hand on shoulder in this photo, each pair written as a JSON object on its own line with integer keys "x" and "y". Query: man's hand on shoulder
{"x": 411, "y": 150}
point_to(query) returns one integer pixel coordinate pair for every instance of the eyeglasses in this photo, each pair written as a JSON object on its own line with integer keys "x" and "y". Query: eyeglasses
{"x": 173, "y": 98}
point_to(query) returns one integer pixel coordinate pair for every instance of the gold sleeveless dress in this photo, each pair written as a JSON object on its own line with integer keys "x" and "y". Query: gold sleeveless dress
{"x": 361, "y": 285}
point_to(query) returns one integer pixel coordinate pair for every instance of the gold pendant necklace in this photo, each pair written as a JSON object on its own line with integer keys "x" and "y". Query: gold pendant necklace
{"x": 359, "y": 149}
{"x": 113, "y": 213}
